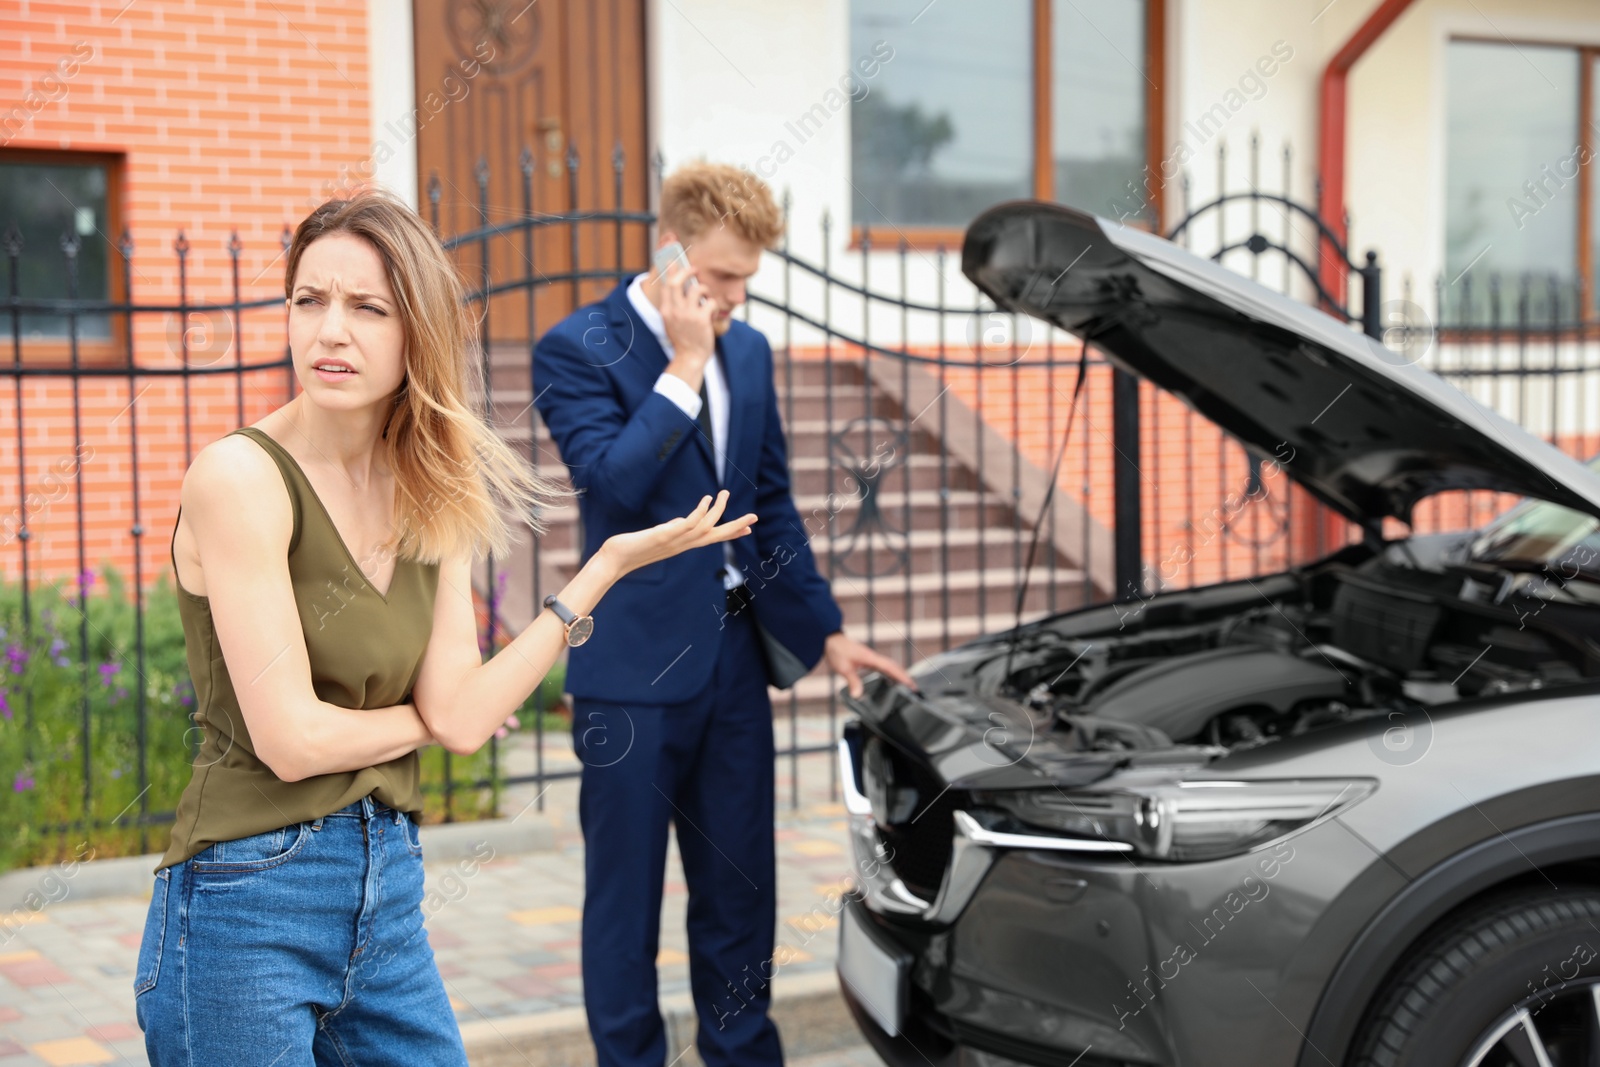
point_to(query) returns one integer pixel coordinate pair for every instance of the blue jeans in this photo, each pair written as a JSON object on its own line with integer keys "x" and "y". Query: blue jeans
{"x": 296, "y": 947}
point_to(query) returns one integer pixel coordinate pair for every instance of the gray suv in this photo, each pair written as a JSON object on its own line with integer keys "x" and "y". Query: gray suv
{"x": 1345, "y": 814}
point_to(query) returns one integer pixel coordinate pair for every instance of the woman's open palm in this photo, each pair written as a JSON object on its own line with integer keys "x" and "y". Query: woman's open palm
{"x": 630, "y": 551}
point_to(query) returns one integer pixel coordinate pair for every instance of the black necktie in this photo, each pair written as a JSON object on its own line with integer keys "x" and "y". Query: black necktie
{"x": 705, "y": 413}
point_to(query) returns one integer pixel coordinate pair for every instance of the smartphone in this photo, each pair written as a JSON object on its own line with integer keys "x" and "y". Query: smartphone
{"x": 667, "y": 255}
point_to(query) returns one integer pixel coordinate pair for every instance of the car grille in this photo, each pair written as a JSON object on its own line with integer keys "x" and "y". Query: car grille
{"x": 913, "y": 811}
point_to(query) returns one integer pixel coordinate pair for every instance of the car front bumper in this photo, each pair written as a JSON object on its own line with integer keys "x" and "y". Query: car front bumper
{"x": 945, "y": 1022}
{"x": 1044, "y": 956}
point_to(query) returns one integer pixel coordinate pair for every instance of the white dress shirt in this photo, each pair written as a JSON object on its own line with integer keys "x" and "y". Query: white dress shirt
{"x": 687, "y": 399}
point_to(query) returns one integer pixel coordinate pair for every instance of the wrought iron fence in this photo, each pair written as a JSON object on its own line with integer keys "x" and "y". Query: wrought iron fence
{"x": 922, "y": 426}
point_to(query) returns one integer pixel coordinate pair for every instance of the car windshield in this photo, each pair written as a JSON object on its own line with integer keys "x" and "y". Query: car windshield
{"x": 1537, "y": 531}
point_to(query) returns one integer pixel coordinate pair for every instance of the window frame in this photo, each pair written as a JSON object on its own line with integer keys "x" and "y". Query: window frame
{"x": 933, "y": 238}
{"x": 55, "y": 353}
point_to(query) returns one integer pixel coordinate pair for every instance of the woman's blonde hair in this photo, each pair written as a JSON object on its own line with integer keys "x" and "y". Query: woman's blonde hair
{"x": 453, "y": 471}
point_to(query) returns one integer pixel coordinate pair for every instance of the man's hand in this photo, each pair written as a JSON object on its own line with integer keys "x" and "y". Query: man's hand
{"x": 686, "y": 313}
{"x": 847, "y": 657}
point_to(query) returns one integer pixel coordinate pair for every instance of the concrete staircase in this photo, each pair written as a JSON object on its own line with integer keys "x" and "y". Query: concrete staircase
{"x": 953, "y": 577}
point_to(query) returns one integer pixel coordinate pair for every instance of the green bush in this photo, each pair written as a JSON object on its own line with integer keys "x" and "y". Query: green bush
{"x": 71, "y": 677}
{"x": 70, "y": 724}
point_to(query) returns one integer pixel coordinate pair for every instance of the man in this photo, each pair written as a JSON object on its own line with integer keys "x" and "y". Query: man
{"x": 657, "y": 397}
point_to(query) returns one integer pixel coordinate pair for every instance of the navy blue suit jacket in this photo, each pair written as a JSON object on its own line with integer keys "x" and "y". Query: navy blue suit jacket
{"x": 638, "y": 461}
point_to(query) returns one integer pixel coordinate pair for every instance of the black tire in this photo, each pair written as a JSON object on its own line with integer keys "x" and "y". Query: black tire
{"x": 1521, "y": 950}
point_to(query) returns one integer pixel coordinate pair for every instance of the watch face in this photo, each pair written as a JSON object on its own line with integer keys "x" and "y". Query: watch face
{"x": 580, "y": 630}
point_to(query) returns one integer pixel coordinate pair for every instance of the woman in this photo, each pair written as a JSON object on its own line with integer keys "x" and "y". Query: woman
{"x": 330, "y": 634}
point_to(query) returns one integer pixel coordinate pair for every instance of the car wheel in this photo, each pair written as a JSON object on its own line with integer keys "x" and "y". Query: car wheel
{"x": 1515, "y": 981}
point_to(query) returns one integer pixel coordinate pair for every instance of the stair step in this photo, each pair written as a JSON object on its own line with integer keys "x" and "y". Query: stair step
{"x": 810, "y": 474}
{"x": 1003, "y": 577}
{"x": 843, "y": 393}
{"x": 846, "y": 364}
{"x": 992, "y": 539}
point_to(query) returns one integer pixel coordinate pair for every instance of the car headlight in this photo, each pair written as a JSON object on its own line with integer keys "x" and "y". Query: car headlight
{"x": 1186, "y": 821}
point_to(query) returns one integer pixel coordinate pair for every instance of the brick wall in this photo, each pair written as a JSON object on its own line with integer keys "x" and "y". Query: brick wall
{"x": 228, "y": 116}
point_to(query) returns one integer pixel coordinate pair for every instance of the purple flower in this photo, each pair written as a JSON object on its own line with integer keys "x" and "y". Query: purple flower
{"x": 62, "y": 661}
{"x": 186, "y": 699}
{"x": 119, "y": 694}
{"x": 116, "y": 772}
{"x": 18, "y": 656}
{"x": 21, "y": 783}
{"x": 108, "y": 671}
{"x": 5, "y": 706}
{"x": 86, "y": 579}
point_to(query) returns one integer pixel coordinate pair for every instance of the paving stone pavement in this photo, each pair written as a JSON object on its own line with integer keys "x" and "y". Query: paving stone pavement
{"x": 505, "y": 931}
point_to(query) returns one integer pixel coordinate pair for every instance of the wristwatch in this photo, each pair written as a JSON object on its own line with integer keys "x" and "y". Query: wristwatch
{"x": 579, "y": 627}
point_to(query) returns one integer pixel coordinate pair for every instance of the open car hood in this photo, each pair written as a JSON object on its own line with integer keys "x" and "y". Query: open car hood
{"x": 1346, "y": 418}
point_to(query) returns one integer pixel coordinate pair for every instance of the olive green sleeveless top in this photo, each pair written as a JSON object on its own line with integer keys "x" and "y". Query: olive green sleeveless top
{"x": 365, "y": 650}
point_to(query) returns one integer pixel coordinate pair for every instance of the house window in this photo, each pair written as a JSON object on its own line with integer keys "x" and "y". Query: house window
{"x": 1100, "y": 99}
{"x": 1518, "y": 178}
{"x": 972, "y": 104}
{"x": 47, "y": 197}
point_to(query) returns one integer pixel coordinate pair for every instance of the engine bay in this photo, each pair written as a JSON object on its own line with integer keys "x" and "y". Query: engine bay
{"x": 1344, "y": 643}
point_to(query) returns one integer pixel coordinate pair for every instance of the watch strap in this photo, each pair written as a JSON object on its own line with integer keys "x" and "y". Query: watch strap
{"x": 564, "y": 613}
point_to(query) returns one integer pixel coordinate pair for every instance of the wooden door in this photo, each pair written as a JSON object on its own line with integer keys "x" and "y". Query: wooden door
{"x": 509, "y": 92}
